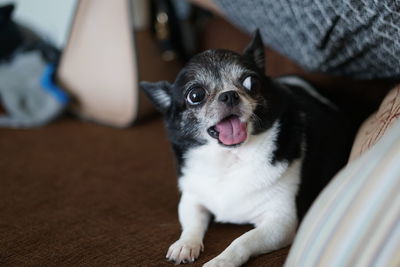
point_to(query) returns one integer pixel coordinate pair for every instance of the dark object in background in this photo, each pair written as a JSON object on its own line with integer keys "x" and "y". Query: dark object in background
{"x": 175, "y": 26}
{"x": 15, "y": 38}
{"x": 10, "y": 37}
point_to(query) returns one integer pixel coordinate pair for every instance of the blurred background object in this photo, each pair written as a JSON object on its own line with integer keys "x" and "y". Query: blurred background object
{"x": 99, "y": 67}
{"x": 98, "y": 64}
{"x": 27, "y": 92}
{"x": 176, "y": 25}
{"x": 49, "y": 18}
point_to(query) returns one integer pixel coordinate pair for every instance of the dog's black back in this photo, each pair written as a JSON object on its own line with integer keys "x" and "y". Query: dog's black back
{"x": 327, "y": 136}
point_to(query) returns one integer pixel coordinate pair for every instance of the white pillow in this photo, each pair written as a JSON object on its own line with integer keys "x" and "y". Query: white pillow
{"x": 356, "y": 219}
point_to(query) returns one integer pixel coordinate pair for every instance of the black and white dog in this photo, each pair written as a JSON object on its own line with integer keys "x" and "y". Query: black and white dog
{"x": 250, "y": 150}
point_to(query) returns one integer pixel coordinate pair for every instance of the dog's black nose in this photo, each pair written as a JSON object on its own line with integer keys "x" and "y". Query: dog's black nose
{"x": 230, "y": 98}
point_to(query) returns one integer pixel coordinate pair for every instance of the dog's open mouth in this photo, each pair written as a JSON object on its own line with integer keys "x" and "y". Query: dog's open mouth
{"x": 229, "y": 131}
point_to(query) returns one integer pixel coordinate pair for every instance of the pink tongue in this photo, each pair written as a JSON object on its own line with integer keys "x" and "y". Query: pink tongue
{"x": 231, "y": 131}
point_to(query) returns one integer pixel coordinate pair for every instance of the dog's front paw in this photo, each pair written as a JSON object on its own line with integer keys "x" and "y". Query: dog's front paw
{"x": 184, "y": 251}
{"x": 220, "y": 263}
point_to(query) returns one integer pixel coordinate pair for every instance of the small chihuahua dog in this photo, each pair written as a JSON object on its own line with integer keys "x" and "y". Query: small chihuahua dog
{"x": 249, "y": 149}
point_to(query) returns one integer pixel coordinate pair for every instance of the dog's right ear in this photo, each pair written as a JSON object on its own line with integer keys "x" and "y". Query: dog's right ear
{"x": 159, "y": 93}
{"x": 255, "y": 50}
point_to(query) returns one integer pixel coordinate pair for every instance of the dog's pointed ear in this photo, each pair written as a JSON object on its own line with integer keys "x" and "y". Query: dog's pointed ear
{"x": 255, "y": 50}
{"x": 159, "y": 94}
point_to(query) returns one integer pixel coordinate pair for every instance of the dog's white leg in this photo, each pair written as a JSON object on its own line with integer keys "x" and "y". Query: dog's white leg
{"x": 272, "y": 234}
{"x": 194, "y": 219}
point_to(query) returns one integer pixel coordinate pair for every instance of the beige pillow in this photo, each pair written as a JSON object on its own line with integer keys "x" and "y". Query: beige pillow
{"x": 377, "y": 124}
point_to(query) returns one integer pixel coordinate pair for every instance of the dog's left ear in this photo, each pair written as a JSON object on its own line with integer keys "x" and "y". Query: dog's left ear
{"x": 159, "y": 93}
{"x": 255, "y": 50}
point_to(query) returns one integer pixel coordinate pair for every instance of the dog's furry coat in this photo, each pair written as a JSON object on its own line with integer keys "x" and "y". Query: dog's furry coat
{"x": 250, "y": 149}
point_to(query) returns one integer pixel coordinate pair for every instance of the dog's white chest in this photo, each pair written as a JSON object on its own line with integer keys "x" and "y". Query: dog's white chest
{"x": 239, "y": 185}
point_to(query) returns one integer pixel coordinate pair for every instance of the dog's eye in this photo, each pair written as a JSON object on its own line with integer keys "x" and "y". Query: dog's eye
{"x": 196, "y": 95}
{"x": 250, "y": 83}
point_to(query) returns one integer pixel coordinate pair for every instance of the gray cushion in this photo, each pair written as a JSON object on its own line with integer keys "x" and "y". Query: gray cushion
{"x": 359, "y": 39}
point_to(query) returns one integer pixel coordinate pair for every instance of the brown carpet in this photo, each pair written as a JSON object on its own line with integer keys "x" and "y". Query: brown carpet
{"x": 80, "y": 194}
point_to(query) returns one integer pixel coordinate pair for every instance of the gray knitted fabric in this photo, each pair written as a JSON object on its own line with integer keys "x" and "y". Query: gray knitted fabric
{"x": 354, "y": 38}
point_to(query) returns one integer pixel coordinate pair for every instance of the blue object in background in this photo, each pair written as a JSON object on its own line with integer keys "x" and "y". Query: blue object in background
{"x": 49, "y": 85}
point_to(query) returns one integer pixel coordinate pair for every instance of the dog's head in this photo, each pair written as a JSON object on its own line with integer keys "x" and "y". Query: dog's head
{"x": 219, "y": 96}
